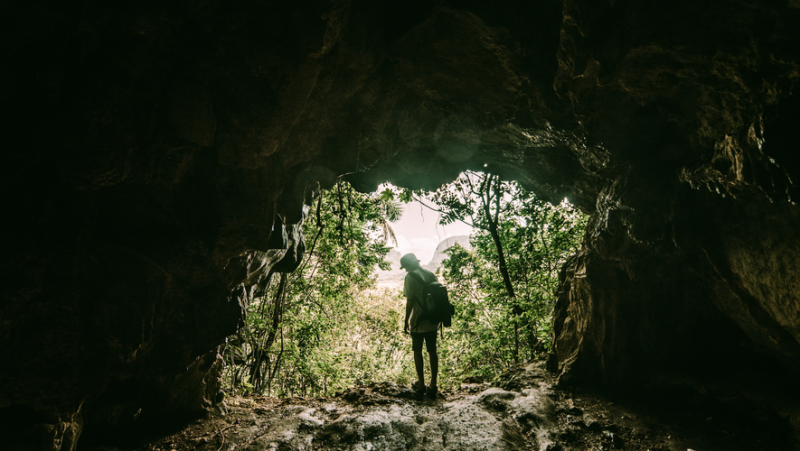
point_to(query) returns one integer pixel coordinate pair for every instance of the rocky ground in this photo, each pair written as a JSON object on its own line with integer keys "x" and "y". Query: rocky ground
{"x": 520, "y": 410}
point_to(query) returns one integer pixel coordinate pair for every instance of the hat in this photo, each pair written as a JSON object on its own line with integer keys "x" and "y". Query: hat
{"x": 409, "y": 261}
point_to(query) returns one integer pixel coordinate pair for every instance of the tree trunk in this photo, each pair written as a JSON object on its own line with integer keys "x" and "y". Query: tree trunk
{"x": 492, "y": 221}
{"x": 277, "y": 316}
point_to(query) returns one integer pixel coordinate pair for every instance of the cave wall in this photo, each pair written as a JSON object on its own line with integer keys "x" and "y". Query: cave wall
{"x": 158, "y": 156}
{"x": 699, "y": 98}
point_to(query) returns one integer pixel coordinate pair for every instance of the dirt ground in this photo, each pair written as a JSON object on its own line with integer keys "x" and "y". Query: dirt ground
{"x": 577, "y": 420}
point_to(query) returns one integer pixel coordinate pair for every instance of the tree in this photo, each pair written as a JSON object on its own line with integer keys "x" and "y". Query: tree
{"x": 521, "y": 238}
{"x": 287, "y": 330}
{"x": 478, "y": 199}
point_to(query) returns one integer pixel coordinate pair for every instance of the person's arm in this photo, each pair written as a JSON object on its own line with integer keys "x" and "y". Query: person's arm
{"x": 407, "y": 294}
{"x": 408, "y": 315}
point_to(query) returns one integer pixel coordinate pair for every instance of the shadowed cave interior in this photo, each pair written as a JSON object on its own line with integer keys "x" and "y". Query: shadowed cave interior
{"x": 158, "y": 156}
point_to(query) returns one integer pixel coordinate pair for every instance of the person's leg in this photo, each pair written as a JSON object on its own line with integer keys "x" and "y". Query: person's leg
{"x": 420, "y": 364}
{"x": 433, "y": 355}
{"x": 416, "y": 347}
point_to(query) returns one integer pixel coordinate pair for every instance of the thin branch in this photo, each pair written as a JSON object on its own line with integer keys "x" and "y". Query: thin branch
{"x": 222, "y": 433}
{"x": 417, "y": 199}
{"x": 471, "y": 186}
{"x": 319, "y": 232}
{"x": 499, "y": 195}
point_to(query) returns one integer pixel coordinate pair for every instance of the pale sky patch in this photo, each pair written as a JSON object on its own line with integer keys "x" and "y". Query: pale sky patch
{"x": 418, "y": 231}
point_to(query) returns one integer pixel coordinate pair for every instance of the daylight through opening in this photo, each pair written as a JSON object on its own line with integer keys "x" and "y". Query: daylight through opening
{"x": 337, "y": 321}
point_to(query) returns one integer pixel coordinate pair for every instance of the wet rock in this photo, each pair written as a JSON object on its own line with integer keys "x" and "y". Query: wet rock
{"x": 496, "y": 398}
{"x": 472, "y": 388}
{"x": 613, "y": 439}
{"x": 460, "y": 426}
{"x": 463, "y": 424}
{"x": 593, "y": 425}
{"x": 393, "y": 390}
{"x": 309, "y": 420}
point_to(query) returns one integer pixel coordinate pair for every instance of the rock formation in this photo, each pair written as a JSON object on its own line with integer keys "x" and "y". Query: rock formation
{"x": 439, "y": 254}
{"x": 158, "y": 156}
{"x": 395, "y": 276}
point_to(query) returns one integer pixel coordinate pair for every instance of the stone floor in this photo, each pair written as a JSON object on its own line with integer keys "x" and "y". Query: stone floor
{"x": 520, "y": 410}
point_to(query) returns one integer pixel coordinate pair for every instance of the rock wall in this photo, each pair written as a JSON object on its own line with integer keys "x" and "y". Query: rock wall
{"x": 695, "y": 232}
{"x": 159, "y": 155}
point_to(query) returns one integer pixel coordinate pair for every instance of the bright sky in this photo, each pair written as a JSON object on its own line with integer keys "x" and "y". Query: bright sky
{"x": 418, "y": 231}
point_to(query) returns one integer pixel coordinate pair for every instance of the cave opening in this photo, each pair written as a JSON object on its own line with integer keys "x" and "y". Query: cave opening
{"x": 159, "y": 154}
{"x": 333, "y": 322}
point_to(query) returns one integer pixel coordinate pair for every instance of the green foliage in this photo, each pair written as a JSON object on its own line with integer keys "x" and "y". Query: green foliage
{"x": 501, "y": 316}
{"x": 299, "y": 337}
{"x": 325, "y": 327}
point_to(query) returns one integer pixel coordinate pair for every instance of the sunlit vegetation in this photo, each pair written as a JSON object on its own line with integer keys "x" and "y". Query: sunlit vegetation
{"x": 326, "y": 326}
{"x": 311, "y": 333}
{"x": 505, "y": 285}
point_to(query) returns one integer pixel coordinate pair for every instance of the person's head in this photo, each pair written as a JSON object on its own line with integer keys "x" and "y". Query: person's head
{"x": 409, "y": 262}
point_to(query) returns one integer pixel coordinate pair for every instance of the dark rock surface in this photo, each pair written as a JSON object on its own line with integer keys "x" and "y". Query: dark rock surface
{"x": 158, "y": 154}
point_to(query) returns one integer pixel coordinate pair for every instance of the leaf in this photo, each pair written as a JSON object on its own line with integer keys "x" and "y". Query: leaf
{"x": 387, "y": 195}
{"x": 407, "y": 196}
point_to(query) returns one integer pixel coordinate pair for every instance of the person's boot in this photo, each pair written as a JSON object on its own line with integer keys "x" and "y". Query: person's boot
{"x": 432, "y": 392}
{"x": 419, "y": 389}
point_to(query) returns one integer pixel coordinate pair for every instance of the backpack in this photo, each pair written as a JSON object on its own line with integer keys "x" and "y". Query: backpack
{"x": 436, "y": 306}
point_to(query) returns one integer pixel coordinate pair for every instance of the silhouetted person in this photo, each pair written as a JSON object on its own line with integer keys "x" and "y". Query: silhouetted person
{"x": 421, "y": 330}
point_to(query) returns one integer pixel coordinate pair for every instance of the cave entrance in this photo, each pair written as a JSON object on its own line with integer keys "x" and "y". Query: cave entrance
{"x": 336, "y": 321}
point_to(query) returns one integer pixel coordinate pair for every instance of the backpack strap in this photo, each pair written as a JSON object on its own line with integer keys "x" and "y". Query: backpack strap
{"x": 418, "y": 277}
{"x": 421, "y": 280}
